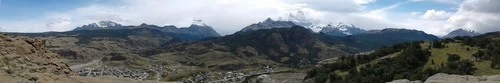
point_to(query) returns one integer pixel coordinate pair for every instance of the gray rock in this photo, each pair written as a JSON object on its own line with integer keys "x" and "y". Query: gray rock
{"x": 265, "y": 79}
{"x": 405, "y": 81}
{"x": 445, "y": 78}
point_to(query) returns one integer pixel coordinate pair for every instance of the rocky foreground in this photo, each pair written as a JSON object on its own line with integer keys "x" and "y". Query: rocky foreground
{"x": 25, "y": 60}
{"x": 28, "y": 60}
{"x": 446, "y": 78}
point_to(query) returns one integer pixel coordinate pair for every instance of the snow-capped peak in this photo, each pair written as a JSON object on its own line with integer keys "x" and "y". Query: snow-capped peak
{"x": 199, "y": 23}
{"x": 341, "y": 29}
{"x": 344, "y": 27}
{"x": 102, "y": 24}
{"x": 107, "y": 24}
{"x": 300, "y": 16}
{"x": 300, "y": 19}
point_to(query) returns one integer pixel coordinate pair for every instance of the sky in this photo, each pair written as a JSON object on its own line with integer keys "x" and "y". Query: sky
{"x": 436, "y": 17}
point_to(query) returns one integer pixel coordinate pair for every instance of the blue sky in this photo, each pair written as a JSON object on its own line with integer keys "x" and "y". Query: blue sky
{"x": 27, "y": 9}
{"x": 409, "y": 6}
{"x": 228, "y": 16}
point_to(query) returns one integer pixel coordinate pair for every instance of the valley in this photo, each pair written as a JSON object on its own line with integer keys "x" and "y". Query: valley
{"x": 249, "y": 41}
{"x": 149, "y": 52}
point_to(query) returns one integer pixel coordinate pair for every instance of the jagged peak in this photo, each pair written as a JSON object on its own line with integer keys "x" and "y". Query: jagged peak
{"x": 462, "y": 29}
{"x": 107, "y": 23}
{"x": 461, "y": 32}
{"x": 268, "y": 20}
{"x": 280, "y": 19}
{"x": 300, "y": 15}
{"x": 198, "y": 23}
{"x": 143, "y": 24}
{"x": 291, "y": 15}
{"x": 344, "y": 25}
{"x": 103, "y": 24}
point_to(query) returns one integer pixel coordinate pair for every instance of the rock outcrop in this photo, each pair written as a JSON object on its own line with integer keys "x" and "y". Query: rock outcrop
{"x": 447, "y": 78}
{"x": 28, "y": 59}
{"x": 404, "y": 81}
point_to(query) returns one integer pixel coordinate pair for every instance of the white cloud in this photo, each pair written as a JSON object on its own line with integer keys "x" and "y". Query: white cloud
{"x": 363, "y": 2}
{"x": 416, "y": 13}
{"x": 436, "y": 15}
{"x": 455, "y": 2}
{"x": 60, "y": 24}
{"x": 480, "y": 15}
{"x": 226, "y": 16}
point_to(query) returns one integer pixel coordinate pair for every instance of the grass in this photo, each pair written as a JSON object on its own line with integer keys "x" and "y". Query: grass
{"x": 440, "y": 55}
{"x": 440, "y": 58}
{"x": 377, "y": 60}
{"x": 483, "y": 68}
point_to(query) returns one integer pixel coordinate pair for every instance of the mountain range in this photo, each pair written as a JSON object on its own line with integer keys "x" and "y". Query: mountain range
{"x": 197, "y": 29}
{"x": 341, "y": 30}
{"x": 199, "y": 49}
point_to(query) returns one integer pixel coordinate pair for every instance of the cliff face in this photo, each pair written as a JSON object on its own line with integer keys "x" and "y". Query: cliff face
{"x": 21, "y": 58}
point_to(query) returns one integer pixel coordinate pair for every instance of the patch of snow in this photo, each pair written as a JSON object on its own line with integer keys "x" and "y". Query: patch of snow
{"x": 198, "y": 23}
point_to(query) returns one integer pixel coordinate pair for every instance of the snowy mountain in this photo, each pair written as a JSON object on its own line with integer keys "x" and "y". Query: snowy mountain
{"x": 269, "y": 24}
{"x": 100, "y": 25}
{"x": 197, "y": 30}
{"x": 461, "y": 32}
{"x": 300, "y": 19}
{"x": 341, "y": 29}
{"x": 198, "y": 23}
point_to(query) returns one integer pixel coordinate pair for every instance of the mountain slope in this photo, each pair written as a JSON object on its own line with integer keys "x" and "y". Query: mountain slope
{"x": 416, "y": 61}
{"x": 341, "y": 30}
{"x": 197, "y": 29}
{"x": 268, "y": 24}
{"x": 461, "y": 32}
{"x": 295, "y": 47}
{"x": 86, "y": 45}
{"x": 375, "y": 39}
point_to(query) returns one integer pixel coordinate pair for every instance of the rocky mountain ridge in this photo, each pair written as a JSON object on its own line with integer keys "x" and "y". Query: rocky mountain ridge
{"x": 341, "y": 29}
{"x": 27, "y": 59}
{"x": 461, "y": 32}
{"x": 268, "y": 24}
{"x": 197, "y": 28}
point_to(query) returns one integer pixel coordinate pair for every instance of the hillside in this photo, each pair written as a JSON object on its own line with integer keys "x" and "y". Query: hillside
{"x": 86, "y": 45}
{"x": 24, "y": 60}
{"x": 375, "y": 39}
{"x": 416, "y": 61}
{"x": 295, "y": 47}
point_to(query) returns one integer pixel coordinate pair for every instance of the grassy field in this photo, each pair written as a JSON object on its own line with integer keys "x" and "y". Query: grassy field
{"x": 440, "y": 55}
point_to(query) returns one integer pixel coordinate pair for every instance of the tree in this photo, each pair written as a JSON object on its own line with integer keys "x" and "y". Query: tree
{"x": 455, "y": 66}
{"x": 466, "y": 67}
{"x": 478, "y": 55}
{"x": 453, "y": 57}
{"x": 437, "y": 44}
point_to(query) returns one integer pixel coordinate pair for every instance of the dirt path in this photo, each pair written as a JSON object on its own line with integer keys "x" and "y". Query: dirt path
{"x": 84, "y": 65}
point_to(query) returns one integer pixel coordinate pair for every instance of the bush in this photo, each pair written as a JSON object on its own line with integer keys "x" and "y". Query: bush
{"x": 437, "y": 44}
{"x": 453, "y": 57}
